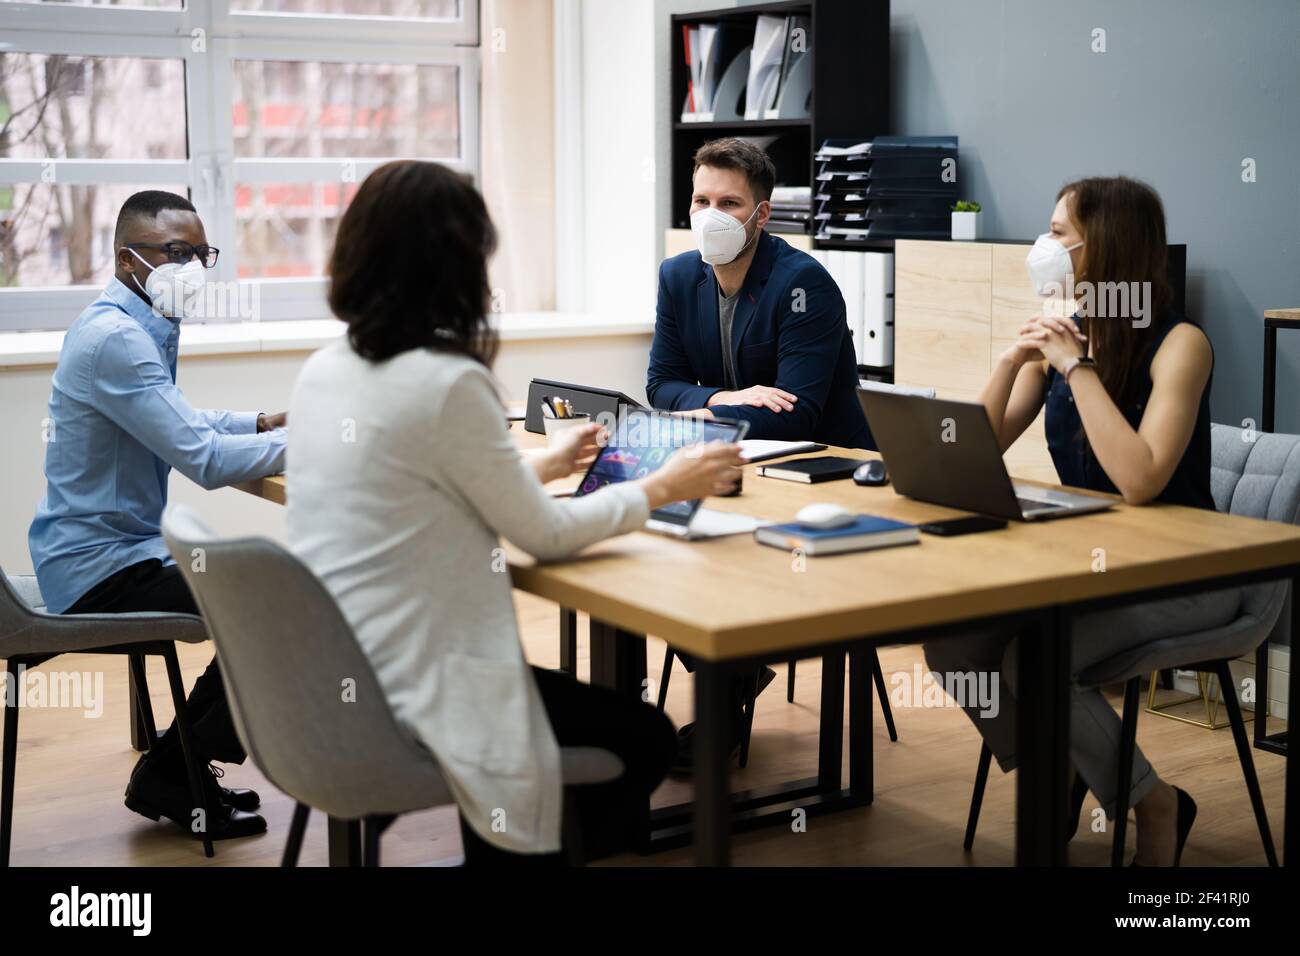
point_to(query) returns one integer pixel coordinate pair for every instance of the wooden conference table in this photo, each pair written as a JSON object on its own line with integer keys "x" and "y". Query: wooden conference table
{"x": 733, "y": 604}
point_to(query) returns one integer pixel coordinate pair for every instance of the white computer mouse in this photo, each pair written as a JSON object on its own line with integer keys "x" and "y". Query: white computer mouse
{"x": 824, "y": 516}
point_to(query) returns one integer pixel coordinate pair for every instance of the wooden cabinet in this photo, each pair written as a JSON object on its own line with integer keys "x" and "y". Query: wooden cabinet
{"x": 957, "y": 306}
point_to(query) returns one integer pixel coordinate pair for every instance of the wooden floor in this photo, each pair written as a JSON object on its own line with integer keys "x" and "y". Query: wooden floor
{"x": 72, "y": 771}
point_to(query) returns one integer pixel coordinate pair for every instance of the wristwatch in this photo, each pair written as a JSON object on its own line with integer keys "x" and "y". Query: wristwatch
{"x": 1074, "y": 363}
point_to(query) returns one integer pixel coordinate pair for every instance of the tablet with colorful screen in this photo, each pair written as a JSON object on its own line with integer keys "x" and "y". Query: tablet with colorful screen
{"x": 641, "y": 444}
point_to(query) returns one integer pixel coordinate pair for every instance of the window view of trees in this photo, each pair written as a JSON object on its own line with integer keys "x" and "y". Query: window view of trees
{"x": 55, "y": 107}
{"x": 305, "y": 110}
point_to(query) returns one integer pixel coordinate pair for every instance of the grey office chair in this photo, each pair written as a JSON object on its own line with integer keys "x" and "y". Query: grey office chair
{"x": 1259, "y": 478}
{"x": 29, "y": 636}
{"x": 306, "y": 702}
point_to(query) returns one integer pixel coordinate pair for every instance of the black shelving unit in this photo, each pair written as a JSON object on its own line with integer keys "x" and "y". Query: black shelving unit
{"x": 849, "y": 46}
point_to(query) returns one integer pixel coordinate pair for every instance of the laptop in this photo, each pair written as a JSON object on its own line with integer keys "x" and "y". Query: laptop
{"x": 602, "y": 404}
{"x": 945, "y": 452}
{"x": 641, "y": 444}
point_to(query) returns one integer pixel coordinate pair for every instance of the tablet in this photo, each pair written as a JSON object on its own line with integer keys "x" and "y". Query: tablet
{"x": 640, "y": 445}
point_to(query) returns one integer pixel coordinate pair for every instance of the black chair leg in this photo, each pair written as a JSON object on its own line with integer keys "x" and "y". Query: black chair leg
{"x": 977, "y": 795}
{"x": 1127, "y": 747}
{"x": 10, "y": 762}
{"x": 789, "y": 683}
{"x": 297, "y": 831}
{"x": 144, "y": 732}
{"x": 883, "y": 694}
{"x": 371, "y": 831}
{"x": 664, "y": 676}
{"x": 747, "y": 716}
{"x": 192, "y": 766}
{"x": 571, "y": 832}
{"x": 1224, "y": 673}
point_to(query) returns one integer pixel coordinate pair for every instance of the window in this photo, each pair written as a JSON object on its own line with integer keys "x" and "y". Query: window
{"x": 267, "y": 114}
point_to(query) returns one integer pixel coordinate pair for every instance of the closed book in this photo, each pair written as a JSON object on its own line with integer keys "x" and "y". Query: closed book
{"x": 865, "y": 534}
{"x": 813, "y": 470}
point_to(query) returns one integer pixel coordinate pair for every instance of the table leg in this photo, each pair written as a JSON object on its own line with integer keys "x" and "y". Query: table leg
{"x": 830, "y": 752}
{"x": 861, "y": 740}
{"x": 618, "y": 659}
{"x": 344, "y": 842}
{"x": 712, "y": 752}
{"x": 1270, "y": 377}
{"x": 569, "y": 641}
{"x": 1042, "y": 739}
{"x": 1291, "y": 834}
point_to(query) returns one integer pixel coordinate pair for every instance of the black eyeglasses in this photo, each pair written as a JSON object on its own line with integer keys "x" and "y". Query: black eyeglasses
{"x": 182, "y": 252}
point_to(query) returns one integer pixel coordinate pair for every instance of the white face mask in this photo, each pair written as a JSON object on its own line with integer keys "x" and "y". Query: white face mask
{"x": 1049, "y": 262}
{"x": 720, "y": 237}
{"x": 174, "y": 290}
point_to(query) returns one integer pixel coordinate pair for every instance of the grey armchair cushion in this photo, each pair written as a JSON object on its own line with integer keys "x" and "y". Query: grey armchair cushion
{"x": 1256, "y": 475}
{"x": 27, "y": 630}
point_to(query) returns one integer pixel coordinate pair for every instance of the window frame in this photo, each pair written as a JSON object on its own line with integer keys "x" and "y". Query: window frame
{"x": 211, "y": 171}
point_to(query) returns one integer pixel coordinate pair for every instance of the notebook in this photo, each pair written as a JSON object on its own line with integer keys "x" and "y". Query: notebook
{"x": 865, "y": 534}
{"x": 812, "y": 470}
{"x": 758, "y": 449}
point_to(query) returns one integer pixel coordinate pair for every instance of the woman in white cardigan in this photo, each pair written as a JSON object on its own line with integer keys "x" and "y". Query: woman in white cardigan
{"x": 404, "y": 480}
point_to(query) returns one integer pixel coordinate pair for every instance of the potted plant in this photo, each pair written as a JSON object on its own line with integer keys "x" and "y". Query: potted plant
{"x": 965, "y": 221}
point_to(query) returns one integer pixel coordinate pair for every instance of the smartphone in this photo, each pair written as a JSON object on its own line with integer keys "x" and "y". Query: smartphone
{"x": 956, "y": 526}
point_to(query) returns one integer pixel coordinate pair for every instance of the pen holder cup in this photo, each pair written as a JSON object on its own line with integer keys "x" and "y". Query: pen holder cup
{"x": 553, "y": 426}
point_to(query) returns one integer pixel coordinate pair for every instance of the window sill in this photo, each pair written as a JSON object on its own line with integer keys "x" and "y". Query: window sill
{"x": 34, "y": 349}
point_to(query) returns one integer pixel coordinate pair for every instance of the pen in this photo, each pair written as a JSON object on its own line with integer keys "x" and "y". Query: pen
{"x": 547, "y": 410}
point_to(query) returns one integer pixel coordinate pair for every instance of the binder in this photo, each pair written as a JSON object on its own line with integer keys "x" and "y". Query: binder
{"x": 765, "y": 65}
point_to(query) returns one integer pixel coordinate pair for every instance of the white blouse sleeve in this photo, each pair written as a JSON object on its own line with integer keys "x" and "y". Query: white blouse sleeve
{"x": 485, "y": 468}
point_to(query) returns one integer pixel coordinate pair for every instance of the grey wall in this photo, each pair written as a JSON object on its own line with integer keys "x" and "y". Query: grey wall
{"x": 1184, "y": 92}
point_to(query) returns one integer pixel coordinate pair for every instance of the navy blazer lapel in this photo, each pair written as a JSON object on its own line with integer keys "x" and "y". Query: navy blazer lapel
{"x": 750, "y": 292}
{"x": 710, "y": 335}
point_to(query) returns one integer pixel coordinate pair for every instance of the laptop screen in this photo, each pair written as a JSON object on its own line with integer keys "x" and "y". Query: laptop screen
{"x": 641, "y": 444}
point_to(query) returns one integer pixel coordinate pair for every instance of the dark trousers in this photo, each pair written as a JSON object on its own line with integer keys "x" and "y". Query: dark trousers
{"x": 585, "y": 716}
{"x": 149, "y": 586}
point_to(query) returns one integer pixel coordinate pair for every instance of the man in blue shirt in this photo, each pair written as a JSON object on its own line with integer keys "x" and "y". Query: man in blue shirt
{"x": 117, "y": 426}
{"x": 747, "y": 326}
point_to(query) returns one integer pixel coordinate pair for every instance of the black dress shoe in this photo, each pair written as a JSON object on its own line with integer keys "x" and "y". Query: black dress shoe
{"x": 1186, "y": 817}
{"x": 154, "y": 796}
{"x": 685, "y": 762}
{"x": 237, "y": 797}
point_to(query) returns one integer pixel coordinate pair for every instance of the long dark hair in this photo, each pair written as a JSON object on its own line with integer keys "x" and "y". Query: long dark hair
{"x": 409, "y": 266}
{"x": 1123, "y": 226}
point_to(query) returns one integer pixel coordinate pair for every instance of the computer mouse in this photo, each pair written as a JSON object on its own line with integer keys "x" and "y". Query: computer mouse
{"x": 872, "y": 473}
{"x": 824, "y": 516}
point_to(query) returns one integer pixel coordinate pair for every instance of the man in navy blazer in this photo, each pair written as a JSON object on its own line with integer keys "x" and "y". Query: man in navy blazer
{"x": 748, "y": 327}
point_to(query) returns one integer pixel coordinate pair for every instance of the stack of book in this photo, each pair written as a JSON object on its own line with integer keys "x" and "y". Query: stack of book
{"x": 791, "y": 209}
{"x": 891, "y": 187}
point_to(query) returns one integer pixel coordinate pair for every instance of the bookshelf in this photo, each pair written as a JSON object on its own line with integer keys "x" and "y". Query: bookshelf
{"x": 848, "y": 42}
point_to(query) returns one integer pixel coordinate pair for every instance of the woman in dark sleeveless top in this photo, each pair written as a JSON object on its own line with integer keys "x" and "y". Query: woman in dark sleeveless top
{"x": 1126, "y": 384}
{"x": 1188, "y": 485}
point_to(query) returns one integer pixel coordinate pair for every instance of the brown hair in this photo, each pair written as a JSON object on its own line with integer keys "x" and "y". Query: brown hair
{"x": 739, "y": 154}
{"x": 1123, "y": 226}
{"x": 409, "y": 266}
